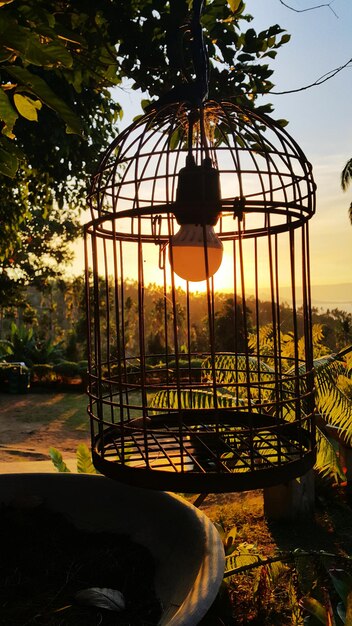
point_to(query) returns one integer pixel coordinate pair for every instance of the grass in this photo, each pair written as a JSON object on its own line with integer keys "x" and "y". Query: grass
{"x": 271, "y": 595}
{"x": 46, "y": 408}
{"x": 32, "y": 423}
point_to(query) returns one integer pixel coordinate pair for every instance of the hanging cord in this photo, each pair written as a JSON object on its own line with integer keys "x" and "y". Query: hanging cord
{"x": 199, "y": 52}
{"x": 194, "y": 92}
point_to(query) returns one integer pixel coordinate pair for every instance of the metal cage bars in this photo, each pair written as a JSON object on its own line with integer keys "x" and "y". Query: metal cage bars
{"x": 191, "y": 417}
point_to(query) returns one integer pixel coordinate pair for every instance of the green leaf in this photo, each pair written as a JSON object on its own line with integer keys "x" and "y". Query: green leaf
{"x": 272, "y": 54}
{"x": 145, "y": 103}
{"x": 276, "y": 570}
{"x": 176, "y": 138}
{"x": 8, "y": 163}
{"x": 230, "y": 540}
{"x": 32, "y": 47}
{"x": 234, "y": 5}
{"x": 219, "y": 527}
{"x": 58, "y": 461}
{"x": 27, "y": 107}
{"x": 6, "y": 348}
{"x": 342, "y": 582}
{"x": 37, "y": 16}
{"x": 285, "y": 38}
{"x": 244, "y": 57}
{"x": 84, "y": 460}
{"x": 5, "y": 55}
{"x": 39, "y": 87}
{"x": 7, "y": 113}
{"x": 341, "y": 612}
{"x": 315, "y": 608}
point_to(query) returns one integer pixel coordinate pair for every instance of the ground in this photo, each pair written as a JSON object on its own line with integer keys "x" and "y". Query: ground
{"x": 31, "y": 423}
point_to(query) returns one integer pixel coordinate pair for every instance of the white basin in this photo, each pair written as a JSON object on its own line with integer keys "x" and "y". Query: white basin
{"x": 186, "y": 547}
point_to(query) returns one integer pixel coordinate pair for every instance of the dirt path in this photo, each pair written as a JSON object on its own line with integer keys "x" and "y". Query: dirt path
{"x": 31, "y": 424}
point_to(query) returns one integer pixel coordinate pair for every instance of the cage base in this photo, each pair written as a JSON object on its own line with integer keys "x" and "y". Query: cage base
{"x": 181, "y": 452}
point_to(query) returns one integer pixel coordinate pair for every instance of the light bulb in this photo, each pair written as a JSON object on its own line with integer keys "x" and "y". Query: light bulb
{"x": 193, "y": 250}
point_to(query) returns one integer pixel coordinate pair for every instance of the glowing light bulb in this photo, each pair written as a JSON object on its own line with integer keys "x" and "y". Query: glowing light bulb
{"x": 195, "y": 252}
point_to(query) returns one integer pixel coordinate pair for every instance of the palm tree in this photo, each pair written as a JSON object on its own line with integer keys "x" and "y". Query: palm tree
{"x": 346, "y": 179}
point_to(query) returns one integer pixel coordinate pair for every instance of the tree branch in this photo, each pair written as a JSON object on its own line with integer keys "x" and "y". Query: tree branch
{"x": 318, "y": 6}
{"x": 322, "y": 79}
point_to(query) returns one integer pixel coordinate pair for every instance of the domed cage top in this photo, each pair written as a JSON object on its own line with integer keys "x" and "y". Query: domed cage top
{"x": 201, "y": 380}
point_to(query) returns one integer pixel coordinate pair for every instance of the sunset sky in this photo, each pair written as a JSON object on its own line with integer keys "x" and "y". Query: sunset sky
{"x": 319, "y": 118}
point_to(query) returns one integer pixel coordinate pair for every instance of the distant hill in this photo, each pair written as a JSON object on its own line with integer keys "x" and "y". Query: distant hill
{"x": 337, "y": 296}
{"x": 333, "y": 296}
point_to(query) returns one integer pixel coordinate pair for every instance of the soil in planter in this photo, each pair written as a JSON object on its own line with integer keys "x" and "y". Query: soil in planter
{"x": 45, "y": 561}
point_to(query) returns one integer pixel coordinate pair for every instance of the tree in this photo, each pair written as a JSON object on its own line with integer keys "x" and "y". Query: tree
{"x": 57, "y": 62}
{"x": 346, "y": 179}
{"x": 232, "y": 325}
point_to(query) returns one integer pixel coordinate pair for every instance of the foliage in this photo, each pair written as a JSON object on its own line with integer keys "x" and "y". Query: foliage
{"x": 24, "y": 346}
{"x": 84, "y": 460}
{"x": 332, "y": 376}
{"x": 57, "y": 63}
{"x": 232, "y": 323}
{"x": 8, "y": 369}
{"x": 346, "y": 178}
{"x": 55, "y": 66}
{"x": 238, "y": 58}
{"x": 54, "y": 375}
{"x": 287, "y": 343}
{"x": 67, "y": 369}
{"x": 267, "y": 581}
{"x": 83, "y": 367}
{"x": 58, "y": 461}
{"x": 50, "y": 56}
{"x": 58, "y": 311}
{"x": 333, "y": 405}
{"x": 233, "y": 373}
{"x": 43, "y": 372}
{"x": 316, "y": 584}
{"x": 334, "y": 604}
{"x": 21, "y": 345}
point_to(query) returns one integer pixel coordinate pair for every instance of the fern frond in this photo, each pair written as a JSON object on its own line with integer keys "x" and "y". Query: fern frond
{"x": 264, "y": 339}
{"x": 327, "y": 463}
{"x": 84, "y": 460}
{"x": 58, "y": 461}
{"x": 239, "y": 371}
{"x": 191, "y": 399}
{"x": 336, "y": 409}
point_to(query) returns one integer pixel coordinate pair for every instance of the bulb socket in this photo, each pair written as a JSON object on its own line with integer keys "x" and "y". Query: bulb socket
{"x": 198, "y": 195}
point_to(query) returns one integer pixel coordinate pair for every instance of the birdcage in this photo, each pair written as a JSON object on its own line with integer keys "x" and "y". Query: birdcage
{"x": 198, "y": 302}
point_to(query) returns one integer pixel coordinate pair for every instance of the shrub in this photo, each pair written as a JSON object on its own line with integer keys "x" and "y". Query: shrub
{"x": 14, "y": 377}
{"x": 83, "y": 367}
{"x": 67, "y": 369}
{"x": 43, "y": 373}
